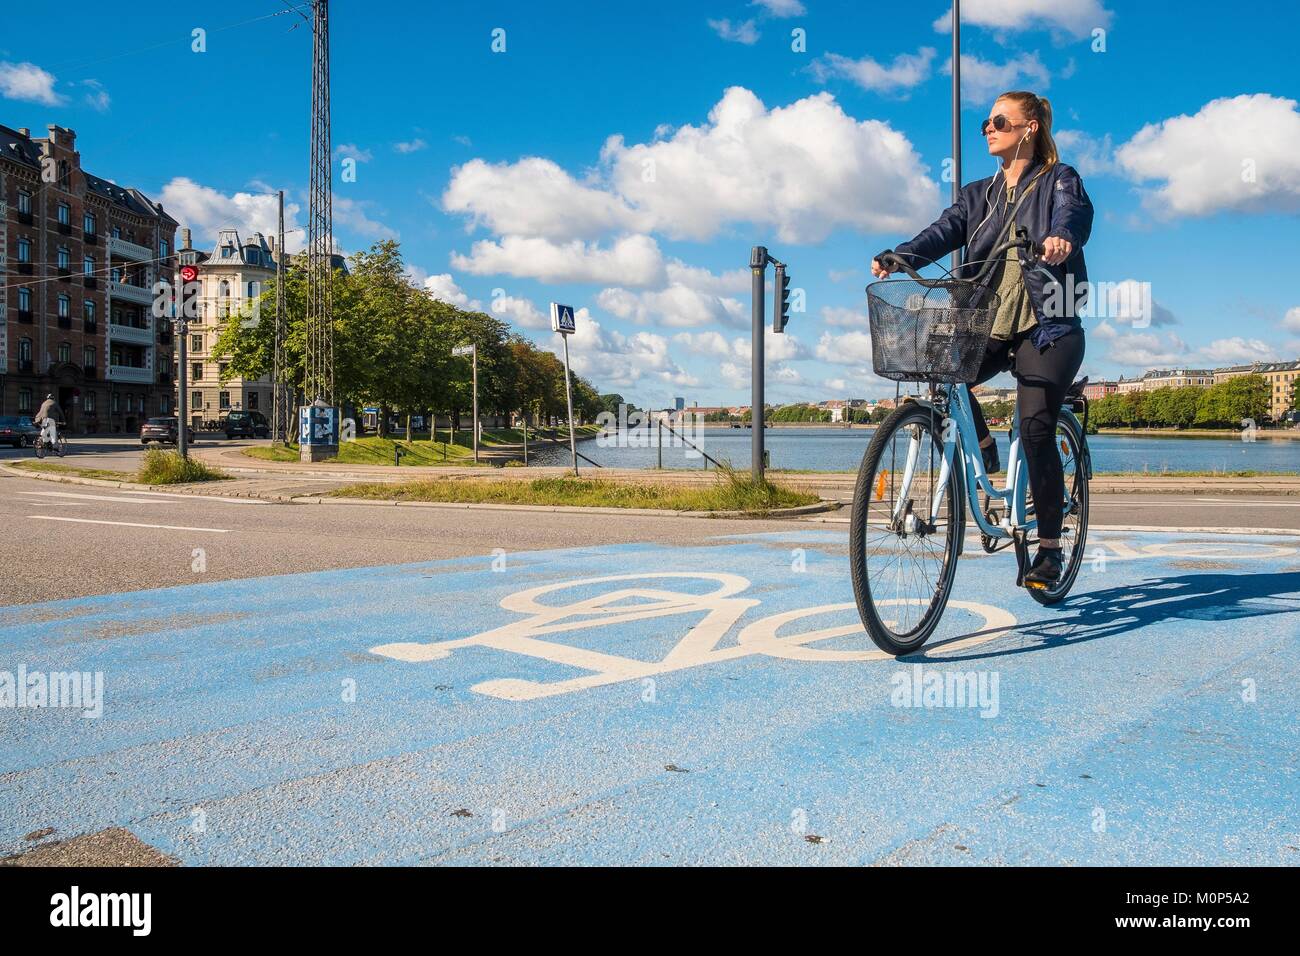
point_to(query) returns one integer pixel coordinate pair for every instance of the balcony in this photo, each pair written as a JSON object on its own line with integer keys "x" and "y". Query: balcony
{"x": 129, "y": 293}
{"x": 65, "y": 228}
{"x": 65, "y": 321}
{"x": 25, "y": 316}
{"x": 130, "y": 334}
{"x": 130, "y": 373}
{"x": 122, "y": 249}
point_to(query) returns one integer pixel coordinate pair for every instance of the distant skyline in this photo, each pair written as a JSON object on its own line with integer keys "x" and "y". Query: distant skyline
{"x": 624, "y": 158}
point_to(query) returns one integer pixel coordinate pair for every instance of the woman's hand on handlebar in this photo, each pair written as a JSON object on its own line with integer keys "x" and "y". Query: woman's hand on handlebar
{"x": 879, "y": 271}
{"x": 1056, "y": 250}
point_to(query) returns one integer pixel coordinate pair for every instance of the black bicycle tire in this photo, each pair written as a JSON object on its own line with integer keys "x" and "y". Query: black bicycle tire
{"x": 1049, "y": 596}
{"x": 881, "y": 636}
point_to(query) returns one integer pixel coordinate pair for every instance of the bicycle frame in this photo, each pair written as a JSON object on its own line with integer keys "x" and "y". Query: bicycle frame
{"x": 960, "y": 436}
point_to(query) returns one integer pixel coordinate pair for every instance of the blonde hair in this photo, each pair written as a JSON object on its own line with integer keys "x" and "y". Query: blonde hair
{"x": 1037, "y": 108}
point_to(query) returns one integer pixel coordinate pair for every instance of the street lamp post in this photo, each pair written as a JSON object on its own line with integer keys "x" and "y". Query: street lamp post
{"x": 472, "y": 351}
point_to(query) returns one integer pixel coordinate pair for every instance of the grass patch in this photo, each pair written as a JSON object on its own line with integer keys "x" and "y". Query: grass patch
{"x": 169, "y": 468}
{"x": 272, "y": 452}
{"x": 730, "y": 493}
{"x": 54, "y": 468}
{"x": 380, "y": 451}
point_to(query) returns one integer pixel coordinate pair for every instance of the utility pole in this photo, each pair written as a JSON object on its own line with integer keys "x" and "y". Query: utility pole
{"x": 758, "y": 276}
{"x": 956, "y": 114}
{"x": 280, "y": 396}
{"x": 319, "y": 413}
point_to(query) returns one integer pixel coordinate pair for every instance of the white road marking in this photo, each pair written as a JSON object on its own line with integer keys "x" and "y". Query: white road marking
{"x": 1252, "y": 503}
{"x": 69, "y": 494}
{"x": 131, "y": 524}
{"x": 229, "y": 501}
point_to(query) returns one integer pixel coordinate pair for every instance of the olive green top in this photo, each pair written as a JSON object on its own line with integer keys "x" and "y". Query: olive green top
{"x": 1015, "y": 311}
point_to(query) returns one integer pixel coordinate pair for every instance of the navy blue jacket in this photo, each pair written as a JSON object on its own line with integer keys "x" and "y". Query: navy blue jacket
{"x": 1058, "y": 206}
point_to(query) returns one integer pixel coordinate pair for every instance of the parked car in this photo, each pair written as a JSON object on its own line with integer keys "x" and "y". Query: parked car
{"x": 163, "y": 431}
{"x": 247, "y": 425}
{"x": 18, "y": 430}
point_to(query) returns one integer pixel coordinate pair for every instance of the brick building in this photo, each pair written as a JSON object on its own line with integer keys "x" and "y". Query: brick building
{"x": 79, "y": 256}
{"x": 1095, "y": 391}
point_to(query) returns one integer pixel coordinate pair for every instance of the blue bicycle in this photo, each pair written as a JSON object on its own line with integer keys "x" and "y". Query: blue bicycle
{"x": 923, "y": 465}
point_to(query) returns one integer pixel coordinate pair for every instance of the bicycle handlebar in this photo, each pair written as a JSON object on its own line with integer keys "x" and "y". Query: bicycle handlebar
{"x": 1022, "y": 241}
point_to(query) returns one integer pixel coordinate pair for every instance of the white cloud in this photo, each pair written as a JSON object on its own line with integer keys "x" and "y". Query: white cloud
{"x": 780, "y": 8}
{"x": 611, "y": 358}
{"x": 1089, "y": 155}
{"x": 1077, "y": 18}
{"x": 804, "y": 169}
{"x": 744, "y": 32}
{"x": 412, "y": 146}
{"x": 351, "y": 213}
{"x": 444, "y": 288}
{"x": 98, "y": 98}
{"x": 353, "y": 151}
{"x": 906, "y": 71}
{"x": 737, "y": 280}
{"x": 520, "y": 311}
{"x": 781, "y": 347}
{"x": 1127, "y": 302}
{"x": 849, "y": 348}
{"x": 845, "y": 318}
{"x": 632, "y": 260}
{"x": 1291, "y": 320}
{"x": 1238, "y": 351}
{"x": 675, "y": 306}
{"x": 825, "y": 169}
{"x": 534, "y": 197}
{"x": 735, "y": 376}
{"x": 835, "y": 384}
{"x": 29, "y": 83}
{"x": 982, "y": 80}
{"x": 205, "y": 210}
{"x": 1239, "y": 154}
{"x": 1141, "y": 350}
{"x": 785, "y": 375}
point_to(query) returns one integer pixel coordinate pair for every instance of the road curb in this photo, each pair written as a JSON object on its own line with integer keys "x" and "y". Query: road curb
{"x": 800, "y": 511}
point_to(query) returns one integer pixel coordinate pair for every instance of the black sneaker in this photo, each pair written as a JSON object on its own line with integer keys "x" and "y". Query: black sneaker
{"x": 1046, "y": 569}
{"x": 992, "y": 463}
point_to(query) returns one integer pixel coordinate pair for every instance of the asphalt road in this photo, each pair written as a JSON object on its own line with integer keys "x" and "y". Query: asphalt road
{"x": 629, "y": 690}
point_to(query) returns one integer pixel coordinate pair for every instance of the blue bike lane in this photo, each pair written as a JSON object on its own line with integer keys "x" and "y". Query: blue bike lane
{"x": 649, "y": 704}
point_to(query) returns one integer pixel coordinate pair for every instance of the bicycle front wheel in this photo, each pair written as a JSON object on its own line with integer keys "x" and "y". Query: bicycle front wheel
{"x": 40, "y": 448}
{"x": 1070, "y": 444}
{"x": 905, "y": 530}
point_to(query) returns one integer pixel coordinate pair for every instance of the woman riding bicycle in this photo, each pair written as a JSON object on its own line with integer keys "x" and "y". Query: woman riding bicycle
{"x": 1037, "y": 320}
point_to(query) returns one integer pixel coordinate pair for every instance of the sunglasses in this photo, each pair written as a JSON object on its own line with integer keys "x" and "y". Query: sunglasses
{"x": 999, "y": 123}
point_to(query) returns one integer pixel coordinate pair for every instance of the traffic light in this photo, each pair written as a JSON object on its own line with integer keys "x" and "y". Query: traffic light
{"x": 187, "y": 294}
{"x": 781, "y": 306}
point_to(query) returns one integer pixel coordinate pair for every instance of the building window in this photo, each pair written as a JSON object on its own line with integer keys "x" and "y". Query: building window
{"x": 65, "y": 214}
{"x": 24, "y": 350}
{"x": 224, "y": 289}
{"x": 88, "y": 224}
{"x": 222, "y": 368}
{"x": 24, "y": 202}
{"x": 164, "y": 248}
{"x": 88, "y": 357}
{"x": 88, "y": 265}
{"x": 226, "y": 251}
{"x": 65, "y": 307}
{"x": 196, "y": 343}
{"x": 65, "y": 258}
{"x": 196, "y": 400}
{"x": 252, "y": 290}
{"x": 24, "y": 249}
{"x": 165, "y": 405}
{"x": 224, "y": 401}
{"x": 65, "y": 352}
{"x": 88, "y": 311}
{"x": 115, "y": 404}
{"x": 24, "y": 300}
{"x": 90, "y": 403}
{"x": 117, "y": 232}
{"x": 25, "y": 400}
{"x": 196, "y": 370}
{"x": 252, "y": 399}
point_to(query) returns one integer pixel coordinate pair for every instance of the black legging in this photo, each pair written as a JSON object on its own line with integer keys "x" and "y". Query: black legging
{"x": 1041, "y": 382}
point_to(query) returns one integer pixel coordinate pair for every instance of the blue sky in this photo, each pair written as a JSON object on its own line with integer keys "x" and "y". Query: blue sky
{"x": 623, "y": 157}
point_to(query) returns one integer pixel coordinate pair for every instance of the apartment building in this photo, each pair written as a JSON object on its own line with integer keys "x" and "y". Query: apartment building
{"x": 1095, "y": 391}
{"x": 1280, "y": 376}
{"x": 80, "y": 255}
{"x": 233, "y": 276}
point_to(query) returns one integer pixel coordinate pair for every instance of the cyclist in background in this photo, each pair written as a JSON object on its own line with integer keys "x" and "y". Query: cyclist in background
{"x": 48, "y": 419}
{"x": 1037, "y": 322}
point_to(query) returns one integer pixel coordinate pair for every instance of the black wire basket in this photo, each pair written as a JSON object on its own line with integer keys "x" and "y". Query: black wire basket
{"x": 929, "y": 330}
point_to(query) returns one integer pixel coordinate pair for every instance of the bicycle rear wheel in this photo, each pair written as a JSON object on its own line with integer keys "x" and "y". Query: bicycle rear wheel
{"x": 1074, "y": 523}
{"x": 39, "y": 445}
{"x": 902, "y": 547}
